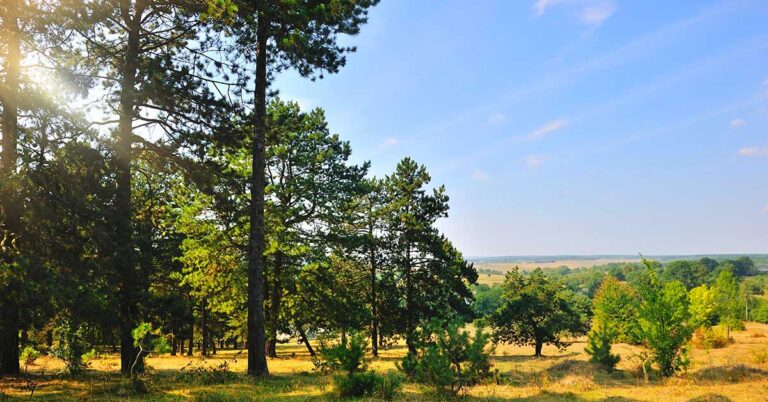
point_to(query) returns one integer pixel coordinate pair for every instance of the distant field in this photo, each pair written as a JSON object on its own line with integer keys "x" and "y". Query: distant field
{"x": 530, "y": 265}
{"x": 503, "y": 267}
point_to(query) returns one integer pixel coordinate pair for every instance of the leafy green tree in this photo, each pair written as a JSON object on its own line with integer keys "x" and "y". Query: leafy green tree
{"x": 536, "y": 310}
{"x": 703, "y": 307}
{"x": 690, "y": 273}
{"x": 487, "y": 299}
{"x": 728, "y": 301}
{"x": 664, "y": 321}
{"x": 433, "y": 277}
{"x": 615, "y": 306}
{"x": 278, "y": 35}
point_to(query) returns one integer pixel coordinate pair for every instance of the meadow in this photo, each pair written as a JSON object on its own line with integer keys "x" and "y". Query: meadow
{"x": 737, "y": 372}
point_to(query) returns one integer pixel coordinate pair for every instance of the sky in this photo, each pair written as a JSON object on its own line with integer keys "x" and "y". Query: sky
{"x": 567, "y": 126}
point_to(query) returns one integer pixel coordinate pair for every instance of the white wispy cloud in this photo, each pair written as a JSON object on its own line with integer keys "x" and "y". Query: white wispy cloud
{"x": 389, "y": 143}
{"x": 595, "y": 14}
{"x": 534, "y": 161}
{"x": 479, "y": 175}
{"x": 590, "y": 12}
{"x": 497, "y": 118}
{"x": 753, "y": 151}
{"x": 552, "y": 126}
{"x": 736, "y": 123}
{"x": 540, "y": 6}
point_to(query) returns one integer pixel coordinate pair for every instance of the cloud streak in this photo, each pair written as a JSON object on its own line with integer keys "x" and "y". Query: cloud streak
{"x": 751, "y": 152}
{"x": 736, "y": 123}
{"x": 550, "y": 127}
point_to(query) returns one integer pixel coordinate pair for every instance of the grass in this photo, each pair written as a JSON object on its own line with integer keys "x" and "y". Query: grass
{"x": 728, "y": 374}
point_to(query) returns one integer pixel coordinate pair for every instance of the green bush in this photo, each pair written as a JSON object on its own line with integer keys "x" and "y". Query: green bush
{"x": 367, "y": 384}
{"x": 449, "y": 359}
{"x": 29, "y": 355}
{"x": 70, "y": 343}
{"x": 711, "y": 338}
{"x": 348, "y": 355}
{"x": 206, "y": 374}
{"x": 599, "y": 346}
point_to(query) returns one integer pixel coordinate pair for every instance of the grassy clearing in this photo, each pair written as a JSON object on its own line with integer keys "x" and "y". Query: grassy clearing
{"x": 738, "y": 372}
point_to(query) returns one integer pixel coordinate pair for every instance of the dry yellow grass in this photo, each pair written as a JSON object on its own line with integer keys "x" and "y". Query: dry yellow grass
{"x": 734, "y": 373}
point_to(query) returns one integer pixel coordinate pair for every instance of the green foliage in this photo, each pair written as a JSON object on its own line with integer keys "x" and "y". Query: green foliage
{"x": 348, "y": 355}
{"x": 449, "y": 359}
{"x": 711, "y": 338}
{"x": 537, "y": 310}
{"x": 598, "y": 347}
{"x": 29, "y": 355}
{"x": 70, "y": 343}
{"x": 728, "y": 300}
{"x": 664, "y": 321}
{"x": 487, "y": 299}
{"x": 368, "y": 384}
{"x": 615, "y": 306}
{"x": 205, "y": 374}
{"x": 703, "y": 306}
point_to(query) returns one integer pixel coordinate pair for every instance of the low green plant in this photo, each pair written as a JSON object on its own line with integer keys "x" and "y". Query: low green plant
{"x": 29, "y": 355}
{"x": 598, "y": 347}
{"x": 711, "y": 338}
{"x": 206, "y": 374}
{"x": 70, "y": 342}
{"x": 449, "y": 359}
{"x": 348, "y": 355}
{"x": 367, "y": 384}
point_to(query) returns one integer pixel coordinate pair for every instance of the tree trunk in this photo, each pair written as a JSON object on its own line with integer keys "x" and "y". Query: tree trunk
{"x": 409, "y": 320}
{"x": 191, "y": 344}
{"x": 374, "y": 296}
{"x": 274, "y": 306}
{"x": 204, "y": 328}
{"x": 174, "y": 344}
{"x": 124, "y": 261}
{"x": 10, "y": 310}
{"x": 538, "y": 346}
{"x": 257, "y": 359}
{"x": 305, "y": 339}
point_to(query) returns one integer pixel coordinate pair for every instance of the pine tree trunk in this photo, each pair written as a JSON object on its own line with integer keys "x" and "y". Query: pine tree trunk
{"x": 10, "y": 310}
{"x": 374, "y": 296}
{"x": 257, "y": 359}
{"x": 124, "y": 260}
{"x": 409, "y": 324}
{"x": 204, "y": 328}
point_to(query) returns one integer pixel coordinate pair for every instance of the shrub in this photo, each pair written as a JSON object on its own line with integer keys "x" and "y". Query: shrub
{"x": 449, "y": 359}
{"x": 367, "y": 384}
{"x": 760, "y": 355}
{"x": 599, "y": 346}
{"x": 70, "y": 344}
{"x": 29, "y": 355}
{"x": 206, "y": 374}
{"x": 348, "y": 355}
{"x": 711, "y": 338}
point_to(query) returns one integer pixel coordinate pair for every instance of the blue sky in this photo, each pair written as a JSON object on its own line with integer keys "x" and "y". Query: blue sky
{"x": 567, "y": 126}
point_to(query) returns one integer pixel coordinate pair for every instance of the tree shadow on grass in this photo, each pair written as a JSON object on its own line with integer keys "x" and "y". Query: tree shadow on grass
{"x": 731, "y": 373}
{"x": 531, "y": 358}
{"x": 710, "y": 398}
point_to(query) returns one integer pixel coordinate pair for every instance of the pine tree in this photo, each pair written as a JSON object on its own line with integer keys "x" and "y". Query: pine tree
{"x": 277, "y": 35}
